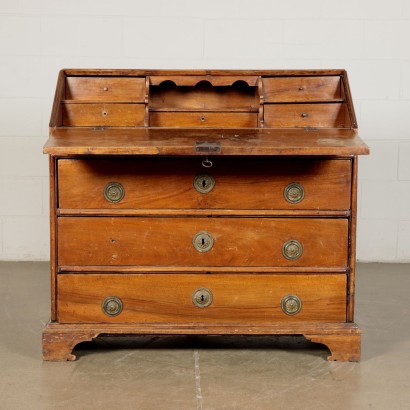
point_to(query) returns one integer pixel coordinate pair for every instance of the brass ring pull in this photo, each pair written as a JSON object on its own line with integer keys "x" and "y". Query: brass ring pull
{"x": 112, "y": 306}
{"x": 291, "y": 304}
{"x": 203, "y": 241}
{"x": 202, "y": 297}
{"x": 294, "y": 193}
{"x": 292, "y": 249}
{"x": 114, "y": 192}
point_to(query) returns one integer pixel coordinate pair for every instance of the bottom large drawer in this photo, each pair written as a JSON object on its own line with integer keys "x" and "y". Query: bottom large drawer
{"x": 201, "y": 298}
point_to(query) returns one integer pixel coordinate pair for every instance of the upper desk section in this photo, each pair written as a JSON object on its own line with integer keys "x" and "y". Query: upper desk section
{"x": 165, "y": 112}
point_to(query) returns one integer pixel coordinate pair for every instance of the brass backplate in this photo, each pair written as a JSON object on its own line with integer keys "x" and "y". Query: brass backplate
{"x": 294, "y": 193}
{"x": 203, "y": 241}
{"x": 202, "y": 297}
{"x": 112, "y": 306}
{"x": 291, "y": 304}
{"x": 204, "y": 183}
{"x": 292, "y": 249}
{"x": 114, "y": 192}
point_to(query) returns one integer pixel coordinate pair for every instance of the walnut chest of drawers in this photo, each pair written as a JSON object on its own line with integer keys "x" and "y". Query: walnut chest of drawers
{"x": 203, "y": 202}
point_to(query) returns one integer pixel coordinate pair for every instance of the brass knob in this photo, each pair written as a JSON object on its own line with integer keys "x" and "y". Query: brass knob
{"x": 112, "y": 306}
{"x": 203, "y": 241}
{"x": 304, "y": 115}
{"x": 292, "y": 249}
{"x": 291, "y": 304}
{"x": 204, "y": 183}
{"x": 202, "y": 297}
{"x": 114, "y": 192}
{"x": 294, "y": 193}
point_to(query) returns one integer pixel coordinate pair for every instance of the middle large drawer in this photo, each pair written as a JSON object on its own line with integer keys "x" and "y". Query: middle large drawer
{"x": 161, "y": 241}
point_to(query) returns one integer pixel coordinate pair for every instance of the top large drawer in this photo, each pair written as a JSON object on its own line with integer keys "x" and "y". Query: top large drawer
{"x": 175, "y": 183}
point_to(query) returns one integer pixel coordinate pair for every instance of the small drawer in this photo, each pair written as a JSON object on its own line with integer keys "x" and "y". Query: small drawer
{"x": 251, "y": 184}
{"x": 100, "y": 115}
{"x": 203, "y": 119}
{"x": 212, "y": 298}
{"x": 331, "y": 115}
{"x": 162, "y": 241}
{"x": 106, "y": 89}
{"x": 284, "y": 89}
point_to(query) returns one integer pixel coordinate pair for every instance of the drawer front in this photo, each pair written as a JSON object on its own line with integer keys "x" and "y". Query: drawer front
{"x": 105, "y": 89}
{"x": 332, "y": 115}
{"x": 184, "y": 298}
{"x": 283, "y": 89}
{"x": 99, "y": 115}
{"x": 205, "y": 119}
{"x": 121, "y": 241}
{"x": 170, "y": 183}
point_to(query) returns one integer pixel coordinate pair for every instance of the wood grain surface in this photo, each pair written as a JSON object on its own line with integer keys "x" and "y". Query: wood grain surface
{"x": 203, "y": 119}
{"x": 105, "y": 89}
{"x": 171, "y": 141}
{"x": 168, "y": 241}
{"x": 331, "y": 115}
{"x": 168, "y": 298}
{"x": 103, "y": 114}
{"x": 297, "y": 89}
{"x": 168, "y": 183}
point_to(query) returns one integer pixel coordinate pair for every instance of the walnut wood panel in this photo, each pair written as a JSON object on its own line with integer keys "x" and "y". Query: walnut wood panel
{"x": 203, "y": 119}
{"x": 192, "y": 80}
{"x": 196, "y": 72}
{"x": 105, "y": 88}
{"x": 239, "y": 184}
{"x": 169, "y": 241}
{"x": 204, "y": 96}
{"x": 331, "y": 115}
{"x": 343, "y": 339}
{"x": 168, "y": 298}
{"x": 162, "y": 142}
{"x": 283, "y": 89}
{"x": 105, "y": 114}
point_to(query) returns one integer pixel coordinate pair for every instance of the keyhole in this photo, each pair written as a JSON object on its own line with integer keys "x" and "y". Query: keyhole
{"x": 203, "y": 241}
{"x": 202, "y": 298}
{"x": 203, "y": 183}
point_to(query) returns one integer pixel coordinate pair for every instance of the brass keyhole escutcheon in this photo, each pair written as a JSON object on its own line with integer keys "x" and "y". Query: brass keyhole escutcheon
{"x": 291, "y": 304}
{"x": 294, "y": 193}
{"x": 112, "y": 306}
{"x": 292, "y": 249}
{"x": 202, "y": 297}
{"x": 203, "y": 241}
{"x": 114, "y": 192}
{"x": 204, "y": 183}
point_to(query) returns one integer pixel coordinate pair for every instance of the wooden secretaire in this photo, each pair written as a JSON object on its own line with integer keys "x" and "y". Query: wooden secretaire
{"x": 203, "y": 202}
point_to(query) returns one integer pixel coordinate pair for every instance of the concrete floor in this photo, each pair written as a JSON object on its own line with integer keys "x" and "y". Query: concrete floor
{"x": 206, "y": 372}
